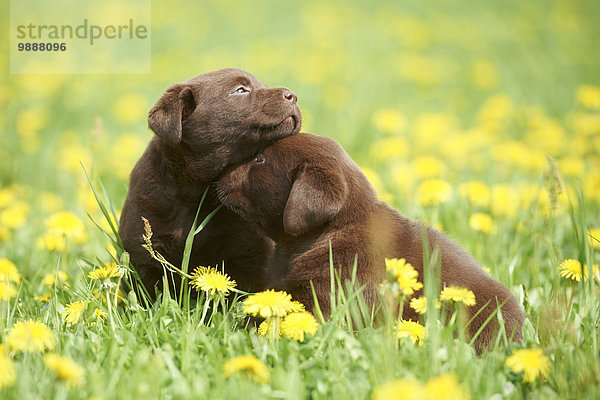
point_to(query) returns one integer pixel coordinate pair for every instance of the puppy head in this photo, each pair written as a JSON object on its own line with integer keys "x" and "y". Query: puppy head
{"x": 227, "y": 114}
{"x": 294, "y": 186}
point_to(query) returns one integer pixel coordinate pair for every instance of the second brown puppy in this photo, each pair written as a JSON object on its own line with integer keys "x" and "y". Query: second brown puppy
{"x": 305, "y": 191}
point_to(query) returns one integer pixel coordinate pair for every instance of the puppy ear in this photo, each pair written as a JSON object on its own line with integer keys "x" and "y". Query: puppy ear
{"x": 174, "y": 106}
{"x": 316, "y": 197}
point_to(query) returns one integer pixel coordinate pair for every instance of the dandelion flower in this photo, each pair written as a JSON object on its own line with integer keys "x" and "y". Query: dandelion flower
{"x": 106, "y": 272}
{"x": 51, "y": 242}
{"x": 589, "y": 96}
{"x": 57, "y": 278}
{"x": 249, "y": 365}
{"x": 405, "y": 274}
{"x": 43, "y": 298}
{"x": 445, "y": 387}
{"x": 532, "y": 362}
{"x": 7, "y": 290}
{"x": 73, "y": 311}
{"x": 482, "y": 222}
{"x": 458, "y": 294}
{"x": 66, "y": 224}
{"x": 571, "y": 269}
{"x": 419, "y": 304}
{"x": 427, "y": 167}
{"x": 295, "y": 325}
{"x": 30, "y": 336}
{"x": 399, "y": 389}
{"x": 15, "y": 216}
{"x": 411, "y": 329}
{"x": 389, "y": 148}
{"x": 212, "y": 281}
{"x": 269, "y": 328}
{"x": 7, "y": 368}
{"x": 389, "y": 121}
{"x": 66, "y": 369}
{"x": 8, "y": 271}
{"x": 99, "y": 318}
{"x": 101, "y": 315}
{"x": 271, "y": 303}
{"x": 433, "y": 192}
{"x": 477, "y": 192}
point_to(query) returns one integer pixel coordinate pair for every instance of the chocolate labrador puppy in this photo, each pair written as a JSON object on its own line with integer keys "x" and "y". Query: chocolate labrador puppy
{"x": 304, "y": 192}
{"x": 202, "y": 126}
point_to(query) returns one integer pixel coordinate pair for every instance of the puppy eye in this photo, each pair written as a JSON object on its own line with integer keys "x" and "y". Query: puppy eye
{"x": 259, "y": 159}
{"x": 241, "y": 90}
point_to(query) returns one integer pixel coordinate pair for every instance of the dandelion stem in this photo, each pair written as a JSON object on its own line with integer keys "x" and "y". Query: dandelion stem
{"x": 204, "y": 310}
{"x": 571, "y": 300}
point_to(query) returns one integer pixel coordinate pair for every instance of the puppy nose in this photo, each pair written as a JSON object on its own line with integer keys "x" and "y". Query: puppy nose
{"x": 288, "y": 95}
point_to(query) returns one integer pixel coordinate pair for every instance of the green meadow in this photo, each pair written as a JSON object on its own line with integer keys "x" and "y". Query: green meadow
{"x": 481, "y": 119}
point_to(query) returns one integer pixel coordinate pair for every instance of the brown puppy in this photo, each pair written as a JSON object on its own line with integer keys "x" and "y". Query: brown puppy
{"x": 305, "y": 192}
{"x": 202, "y": 126}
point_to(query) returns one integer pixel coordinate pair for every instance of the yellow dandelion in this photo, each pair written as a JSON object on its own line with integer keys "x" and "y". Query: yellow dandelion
{"x": 7, "y": 368}
{"x": 405, "y": 274}
{"x": 477, "y": 192}
{"x": 249, "y": 365}
{"x": 73, "y": 311}
{"x": 57, "y": 278}
{"x": 389, "y": 121}
{"x": 210, "y": 280}
{"x": 51, "y": 242}
{"x": 571, "y": 269}
{"x": 445, "y": 387}
{"x": 532, "y": 362}
{"x": 7, "y": 290}
{"x": 44, "y": 298}
{"x": 4, "y": 234}
{"x": 8, "y": 271}
{"x": 399, "y": 389}
{"x": 106, "y": 271}
{"x": 589, "y": 96}
{"x": 482, "y": 222}
{"x": 419, "y": 304}
{"x": 412, "y": 330}
{"x": 271, "y": 303}
{"x": 433, "y": 192}
{"x": 68, "y": 225}
{"x": 594, "y": 237}
{"x": 389, "y": 148}
{"x": 99, "y": 316}
{"x": 15, "y": 216}
{"x": 295, "y": 325}
{"x": 427, "y": 167}
{"x": 505, "y": 201}
{"x": 571, "y": 166}
{"x": 30, "y": 336}
{"x": 458, "y": 294}
{"x": 66, "y": 369}
{"x": 270, "y": 328}
{"x": 7, "y": 196}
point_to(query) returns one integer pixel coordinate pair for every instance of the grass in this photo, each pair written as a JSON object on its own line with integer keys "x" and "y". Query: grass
{"x": 471, "y": 92}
